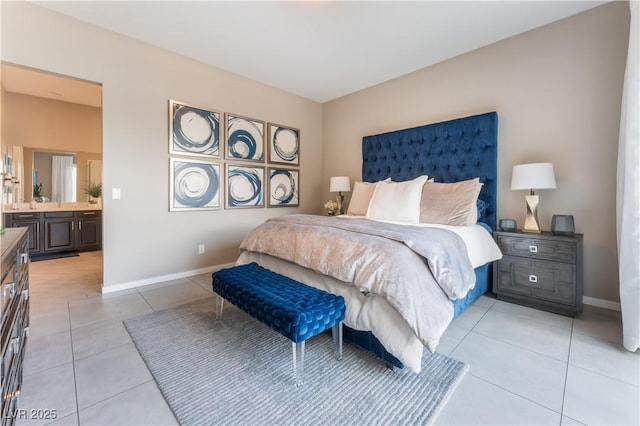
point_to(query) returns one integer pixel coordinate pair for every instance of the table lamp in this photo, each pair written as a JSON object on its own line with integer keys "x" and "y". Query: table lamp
{"x": 531, "y": 177}
{"x": 340, "y": 184}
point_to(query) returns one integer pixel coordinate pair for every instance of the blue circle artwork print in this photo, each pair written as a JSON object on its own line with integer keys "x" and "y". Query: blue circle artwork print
{"x": 245, "y": 187}
{"x": 244, "y": 140}
{"x": 285, "y": 144}
{"x": 196, "y": 185}
{"x": 283, "y": 185}
{"x": 195, "y": 130}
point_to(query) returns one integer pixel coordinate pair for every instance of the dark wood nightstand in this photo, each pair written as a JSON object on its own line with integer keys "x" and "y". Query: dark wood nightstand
{"x": 543, "y": 271}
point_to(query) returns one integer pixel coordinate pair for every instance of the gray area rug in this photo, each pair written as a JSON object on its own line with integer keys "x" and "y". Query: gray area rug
{"x": 237, "y": 371}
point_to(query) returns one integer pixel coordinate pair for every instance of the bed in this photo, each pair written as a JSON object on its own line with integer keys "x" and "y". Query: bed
{"x": 453, "y": 151}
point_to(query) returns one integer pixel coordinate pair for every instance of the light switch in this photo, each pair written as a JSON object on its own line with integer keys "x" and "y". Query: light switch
{"x": 115, "y": 193}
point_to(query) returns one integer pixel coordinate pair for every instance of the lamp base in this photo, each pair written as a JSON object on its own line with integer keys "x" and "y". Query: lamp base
{"x": 339, "y": 200}
{"x": 531, "y": 221}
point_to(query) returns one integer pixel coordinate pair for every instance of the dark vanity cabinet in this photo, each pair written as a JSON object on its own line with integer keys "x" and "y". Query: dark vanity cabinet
{"x": 31, "y": 221}
{"x": 59, "y": 231}
{"x": 51, "y": 232}
{"x": 89, "y": 232}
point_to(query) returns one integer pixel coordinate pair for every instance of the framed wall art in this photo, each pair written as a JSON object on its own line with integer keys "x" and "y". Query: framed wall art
{"x": 245, "y": 138}
{"x": 193, "y": 130}
{"x": 284, "y": 145}
{"x": 194, "y": 185}
{"x": 245, "y": 186}
{"x": 283, "y": 187}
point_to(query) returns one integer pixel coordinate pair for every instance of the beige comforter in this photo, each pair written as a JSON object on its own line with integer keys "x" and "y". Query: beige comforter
{"x": 416, "y": 270}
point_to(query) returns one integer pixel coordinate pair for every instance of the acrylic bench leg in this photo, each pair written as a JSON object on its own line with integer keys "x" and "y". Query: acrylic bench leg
{"x": 219, "y": 305}
{"x": 298, "y": 362}
{"x": 336, "y": 333}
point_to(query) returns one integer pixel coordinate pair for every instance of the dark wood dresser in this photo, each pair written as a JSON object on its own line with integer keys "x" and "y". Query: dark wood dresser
{"x": 543, "y": 271}
{"x": 14, "y": 310}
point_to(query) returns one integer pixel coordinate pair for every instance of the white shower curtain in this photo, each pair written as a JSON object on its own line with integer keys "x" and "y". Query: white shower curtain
{"x": 62, "y": 178}
{"x": 628, "y": 193}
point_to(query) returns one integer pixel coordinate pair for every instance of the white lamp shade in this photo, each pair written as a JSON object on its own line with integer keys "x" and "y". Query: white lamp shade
{"x": 533, "y": 176}
{"x": 340, "y": 184}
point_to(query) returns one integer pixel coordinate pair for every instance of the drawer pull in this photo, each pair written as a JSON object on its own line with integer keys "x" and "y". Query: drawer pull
{"x": 25, "y": 294}
{"x": 533, "y": 278}
{"x": 15, "y": 345}
{"x": 11, "y": 287}
{"x": 24, "y": 257}
{"x": 533, "y": 249}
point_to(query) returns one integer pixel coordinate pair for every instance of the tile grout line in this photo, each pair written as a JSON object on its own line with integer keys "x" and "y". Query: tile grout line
{"x": 522, "y": 347}
{"x": 118, "y": 394}
{"x": 566, "y": 373}
{"x": 73, "y": 363}
{"x": 518, "y": 346}
{"x": 145, "y": 300}
{"x": 468, "y": 331}
{"x": 517, "y": 394}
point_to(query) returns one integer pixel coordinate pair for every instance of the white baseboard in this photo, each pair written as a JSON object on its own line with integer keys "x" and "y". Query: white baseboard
{"x": 601, "y": 303}
{"x": 592, "y": 301}
{"x": 163, "y": 278}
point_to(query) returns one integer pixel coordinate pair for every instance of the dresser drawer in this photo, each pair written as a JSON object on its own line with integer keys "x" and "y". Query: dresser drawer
{"x": 537, "y": 248}
{"x": 89, "y": 214}
{"x": 25, "y": 216}
{"x": 57, "y": 215}
{"x": 539, "y": 279}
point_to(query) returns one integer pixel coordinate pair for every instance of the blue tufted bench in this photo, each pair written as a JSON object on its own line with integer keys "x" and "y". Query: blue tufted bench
{"x": 293, "y": 309}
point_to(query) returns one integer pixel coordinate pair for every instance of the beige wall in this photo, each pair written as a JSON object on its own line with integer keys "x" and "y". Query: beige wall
{"x": 142, "y": 239}
{"x": 40, "y": 124}
{"x": 557, "y": 91}
{"x": 45, "y": 123}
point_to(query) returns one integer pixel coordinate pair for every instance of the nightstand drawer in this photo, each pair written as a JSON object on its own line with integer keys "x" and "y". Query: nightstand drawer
{"x": 539, "y": 279}
{"x": 537, "y": 248}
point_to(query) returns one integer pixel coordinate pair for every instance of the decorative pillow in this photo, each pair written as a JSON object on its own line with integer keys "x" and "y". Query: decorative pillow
{"x": 397, "y": 201}
{"x": 361, "y": 196}
{"x": 450, "y": 203}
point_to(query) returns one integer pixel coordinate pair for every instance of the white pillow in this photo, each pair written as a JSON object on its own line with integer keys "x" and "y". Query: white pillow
{"x": 397, "y": 201}
{"x": 361, "y": 197}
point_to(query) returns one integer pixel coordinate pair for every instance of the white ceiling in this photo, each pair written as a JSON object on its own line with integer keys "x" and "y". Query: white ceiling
{"x": 320, "y": 50}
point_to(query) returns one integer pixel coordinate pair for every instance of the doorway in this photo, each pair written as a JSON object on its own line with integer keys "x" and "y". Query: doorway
{"x": 51, "y": 128}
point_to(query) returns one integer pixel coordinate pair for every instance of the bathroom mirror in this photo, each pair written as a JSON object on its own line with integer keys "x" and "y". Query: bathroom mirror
{"x": 56, "y": 174}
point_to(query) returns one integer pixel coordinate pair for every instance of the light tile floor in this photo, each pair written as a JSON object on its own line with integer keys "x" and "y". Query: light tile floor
{"x": 526, "y": 366}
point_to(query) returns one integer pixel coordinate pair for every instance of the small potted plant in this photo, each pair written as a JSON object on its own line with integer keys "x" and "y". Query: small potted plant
{"x": 38, "y": 193}
{"x": 94, "y": 190}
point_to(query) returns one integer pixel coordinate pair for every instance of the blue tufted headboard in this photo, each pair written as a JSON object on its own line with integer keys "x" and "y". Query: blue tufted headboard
{"x": 449, "y": 151}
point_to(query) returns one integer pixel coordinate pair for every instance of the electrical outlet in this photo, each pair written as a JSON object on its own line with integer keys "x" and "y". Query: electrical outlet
{"x": 201, "y": 248}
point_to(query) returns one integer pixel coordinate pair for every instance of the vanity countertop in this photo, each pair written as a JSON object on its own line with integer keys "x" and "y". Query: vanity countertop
{"x": 49, "y": 207}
